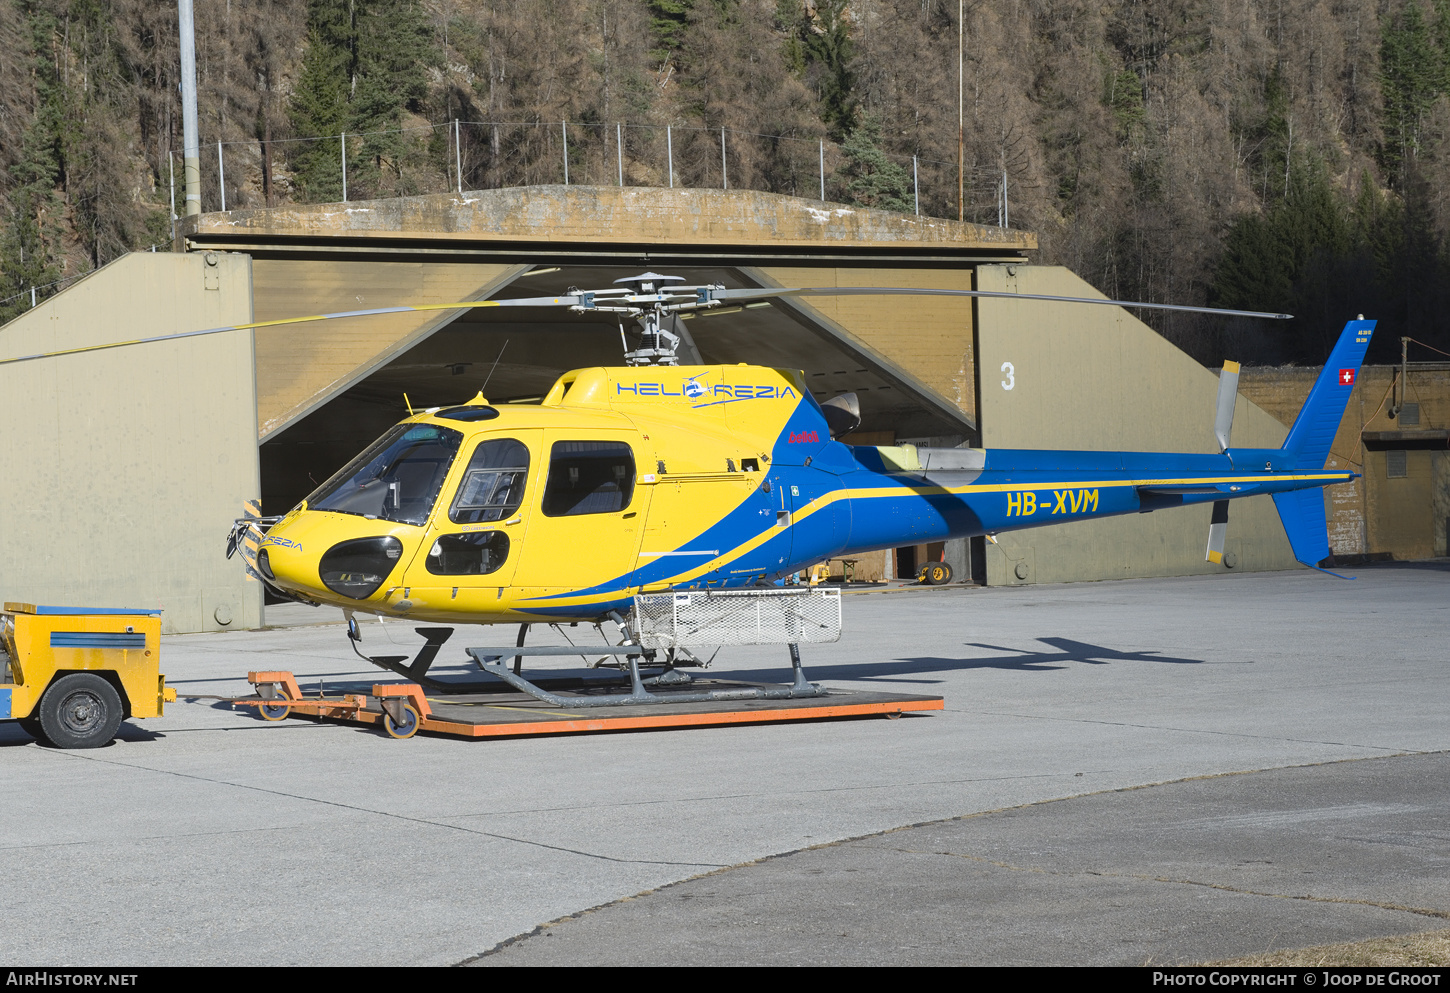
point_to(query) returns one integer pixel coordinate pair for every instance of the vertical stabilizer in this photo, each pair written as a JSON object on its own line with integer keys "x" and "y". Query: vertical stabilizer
{"x": 1314, "y": 430}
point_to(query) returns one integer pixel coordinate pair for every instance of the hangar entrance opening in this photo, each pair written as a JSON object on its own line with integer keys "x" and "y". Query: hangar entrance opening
{"x": 515, "y": 355}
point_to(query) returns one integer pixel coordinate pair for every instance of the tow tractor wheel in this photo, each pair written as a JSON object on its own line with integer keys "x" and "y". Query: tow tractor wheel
{"x": 938, "y": 574}
{"x": 81, "y": 710}
{"x": 404, "y": 729}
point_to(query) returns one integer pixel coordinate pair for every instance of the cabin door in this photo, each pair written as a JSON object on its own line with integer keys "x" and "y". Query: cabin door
{"x": 477, "y": 535}
{"x": 586, "y": 518}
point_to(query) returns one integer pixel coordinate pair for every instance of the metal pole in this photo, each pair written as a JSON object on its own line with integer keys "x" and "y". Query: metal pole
{"x": 915, "y": 188}
{"x": 670, "y": 153}
{"x": 619, "y": 149}
{"x": 171, "y": 168}
{"x": 565, "y": 126}
{"x": 823, "y": 169}
{"x": 32, "y": 298}
{"x": 191, "y": 143}
{"x": 343, "y": 136}
{"x": 458, "y": 154}
{"x": 724, "y": 174}
{"x": 961, "y": 118}
{"x": 1006, "y": 211}
{"x": 221, "y": 175}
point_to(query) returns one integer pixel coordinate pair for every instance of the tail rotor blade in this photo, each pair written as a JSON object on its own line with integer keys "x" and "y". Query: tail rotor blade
{"x": 1217, "y": 532}
{"x": 1228, "y": 392}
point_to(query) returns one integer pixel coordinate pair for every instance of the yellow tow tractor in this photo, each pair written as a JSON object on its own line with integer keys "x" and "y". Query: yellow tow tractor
{"x": 72, "y": 674}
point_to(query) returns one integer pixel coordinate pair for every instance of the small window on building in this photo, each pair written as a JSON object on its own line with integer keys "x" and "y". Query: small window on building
{"x": 1410, "y": 415}
{"x": 1397, "y": 464}
{"x": 588, "y": 477}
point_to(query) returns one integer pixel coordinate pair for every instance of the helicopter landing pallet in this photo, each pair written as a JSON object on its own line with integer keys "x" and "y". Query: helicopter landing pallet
{"x": 506, "y": 714}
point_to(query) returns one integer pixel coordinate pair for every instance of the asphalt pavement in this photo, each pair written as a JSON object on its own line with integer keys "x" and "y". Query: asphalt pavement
{"x": 1173, "y": 874}
{"x": 211, "y": 837}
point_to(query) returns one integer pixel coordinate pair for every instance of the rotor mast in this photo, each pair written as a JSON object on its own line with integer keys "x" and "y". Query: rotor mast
{"x": 653, "y": 303}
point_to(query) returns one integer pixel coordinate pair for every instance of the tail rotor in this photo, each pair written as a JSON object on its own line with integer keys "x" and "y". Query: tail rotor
{"x": 1223, "y": 422}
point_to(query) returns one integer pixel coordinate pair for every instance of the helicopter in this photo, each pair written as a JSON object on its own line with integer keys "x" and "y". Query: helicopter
{"x": 669, "y": 475}
{"x": 665, "y": 475}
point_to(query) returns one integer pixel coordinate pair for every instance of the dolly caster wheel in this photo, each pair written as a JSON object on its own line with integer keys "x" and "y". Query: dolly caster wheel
{"x": 405, "y": 728}
{"x": 274, "y": 711}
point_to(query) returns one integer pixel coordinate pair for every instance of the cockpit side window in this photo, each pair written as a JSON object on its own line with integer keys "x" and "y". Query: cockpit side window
{"x": 396, "y": 479}
{"x": 588, "y": 477}
{"x": 493, "y": 484}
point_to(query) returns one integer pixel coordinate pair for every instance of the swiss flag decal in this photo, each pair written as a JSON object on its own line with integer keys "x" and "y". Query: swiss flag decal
{"x": 1346, "y": 377}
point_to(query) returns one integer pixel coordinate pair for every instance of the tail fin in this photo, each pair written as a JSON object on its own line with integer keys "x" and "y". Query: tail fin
{"x": 1318, "y": 422}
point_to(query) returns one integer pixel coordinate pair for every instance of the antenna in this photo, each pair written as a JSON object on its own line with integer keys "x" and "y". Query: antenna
{"x": 494, "y": 366}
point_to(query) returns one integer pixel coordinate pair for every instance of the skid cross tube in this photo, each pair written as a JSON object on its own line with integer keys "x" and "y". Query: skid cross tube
{"x": 490, "y": 661}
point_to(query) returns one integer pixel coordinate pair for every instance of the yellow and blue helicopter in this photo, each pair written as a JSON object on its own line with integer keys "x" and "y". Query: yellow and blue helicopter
{"x": 660, "y": 476}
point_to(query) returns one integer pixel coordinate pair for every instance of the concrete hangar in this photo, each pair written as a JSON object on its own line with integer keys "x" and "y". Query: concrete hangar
{"x": 125, "y": 467}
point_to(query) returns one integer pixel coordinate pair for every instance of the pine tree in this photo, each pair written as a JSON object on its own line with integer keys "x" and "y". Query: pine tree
{"x": 319, "y": 107}
{"x": 366, "y": 63}
{"x": 393, "y": 52}
{"x": 28, "y": 244}
{"x": 668, "y": 20}
{"x": 1412, "y": 74}
{"x": 873, "y": 180}
{"x": 825, "y": 38}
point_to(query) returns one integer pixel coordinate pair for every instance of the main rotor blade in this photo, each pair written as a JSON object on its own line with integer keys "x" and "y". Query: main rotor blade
{"x": 564, "y": 301}
{"x": 573, "y": 300}
{"x": 764, "y": 294}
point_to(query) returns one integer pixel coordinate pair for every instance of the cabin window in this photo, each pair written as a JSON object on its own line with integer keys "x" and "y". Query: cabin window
{"x": 493, "y": 484}
{"x": 588, "y": 477}
{"x": 476, "y": 553}
{"x": 396, "y": 479}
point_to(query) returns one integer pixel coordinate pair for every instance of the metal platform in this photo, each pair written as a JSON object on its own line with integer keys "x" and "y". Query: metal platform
{"x": 508, "y": 713}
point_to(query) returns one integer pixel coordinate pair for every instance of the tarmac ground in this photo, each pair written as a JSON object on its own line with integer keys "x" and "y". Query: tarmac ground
{"x": 1166, "y": 875}
{"x": 1295, "y": 726}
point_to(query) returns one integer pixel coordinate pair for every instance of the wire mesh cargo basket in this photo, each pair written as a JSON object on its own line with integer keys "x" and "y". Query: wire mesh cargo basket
{"x": 744, "y": 617}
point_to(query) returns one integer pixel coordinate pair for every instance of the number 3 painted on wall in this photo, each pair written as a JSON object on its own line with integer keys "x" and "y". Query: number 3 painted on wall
{"x": 1011, "y": 379}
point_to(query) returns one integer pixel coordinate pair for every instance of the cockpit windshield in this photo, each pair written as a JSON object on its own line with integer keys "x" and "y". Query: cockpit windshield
{"x": 396, "y": 479}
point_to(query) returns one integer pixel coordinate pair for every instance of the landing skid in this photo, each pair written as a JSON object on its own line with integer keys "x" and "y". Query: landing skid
{"x": 417, "y": 670}
{"x": 490, "y": 660}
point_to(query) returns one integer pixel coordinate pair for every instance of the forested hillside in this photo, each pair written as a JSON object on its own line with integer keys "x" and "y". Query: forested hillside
{"x": 1274, "y": 154}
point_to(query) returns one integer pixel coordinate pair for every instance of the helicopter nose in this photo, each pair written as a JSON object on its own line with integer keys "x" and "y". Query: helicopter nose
{"x": 314, "y": 555}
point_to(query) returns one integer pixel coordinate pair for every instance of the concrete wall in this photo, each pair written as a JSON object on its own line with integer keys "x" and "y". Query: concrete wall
{"x": 124, "y": 468}
{"x": 926, "y": 341}
{"x": 599, "y": 215}
{"x": 1096, "y": 378}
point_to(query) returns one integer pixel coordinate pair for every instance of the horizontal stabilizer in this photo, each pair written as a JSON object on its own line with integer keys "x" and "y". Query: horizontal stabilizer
{"x": 1302, "y": 512}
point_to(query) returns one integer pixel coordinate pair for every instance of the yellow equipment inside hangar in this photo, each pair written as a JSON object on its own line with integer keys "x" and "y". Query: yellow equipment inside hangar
{"x": 126, "y": 466}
